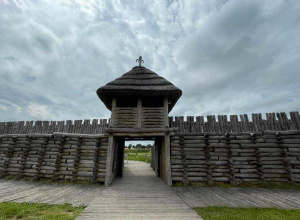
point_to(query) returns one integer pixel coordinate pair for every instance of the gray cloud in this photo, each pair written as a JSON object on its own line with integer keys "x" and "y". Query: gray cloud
{"x": 228, "y": 57}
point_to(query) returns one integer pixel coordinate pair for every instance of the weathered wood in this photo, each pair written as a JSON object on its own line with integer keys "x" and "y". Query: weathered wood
{"x": 236, "y": 157}
{"x": 109, "y": 161}
{"x": 166, "y": 112}
{"x": 50, "y": 156}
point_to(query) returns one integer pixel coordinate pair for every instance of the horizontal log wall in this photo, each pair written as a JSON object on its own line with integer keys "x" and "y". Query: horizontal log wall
{"x": 57, "y": 157}
{"x": 152, "y": 117}
{"x": 233, "y": 123}
{"x": 236, "y": 157}
{"x": 126, "y": 117}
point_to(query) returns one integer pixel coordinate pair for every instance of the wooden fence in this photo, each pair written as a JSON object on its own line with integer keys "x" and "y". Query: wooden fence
{"x": 87, "y": 126}
{"x": 233, "y": 123}
{"x": 220, "y": 123}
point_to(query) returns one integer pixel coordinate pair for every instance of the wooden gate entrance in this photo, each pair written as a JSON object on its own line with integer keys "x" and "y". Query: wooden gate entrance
{"x": 140, "y": 102}
{"x": 160, "y": 153}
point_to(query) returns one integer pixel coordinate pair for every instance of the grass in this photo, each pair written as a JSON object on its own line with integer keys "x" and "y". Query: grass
{"x": 225, "y": 213}
{"x": 138, "y": 154}
{"x": 138, "y": 157}
{"x": 144, "y": 151}
{"x": 50, "y": 181}
{"x": 36, "y": 211}
{"x": 273, "y": 185}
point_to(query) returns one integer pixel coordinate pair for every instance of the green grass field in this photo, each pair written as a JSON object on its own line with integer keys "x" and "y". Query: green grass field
{"x": 36, "y": 211}
{"x": 138, "y": 154}
{"x": 225, "y": 213}
{"x": 132, "y": 150}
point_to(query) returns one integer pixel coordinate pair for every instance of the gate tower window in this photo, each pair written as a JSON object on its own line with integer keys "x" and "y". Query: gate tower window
{"x": 127, "y": 102}
{"x": 153, "y": 101}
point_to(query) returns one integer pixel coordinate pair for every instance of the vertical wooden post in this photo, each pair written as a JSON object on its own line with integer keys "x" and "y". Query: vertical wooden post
{"x": 156, "y": 158}
{"x": 121, "y": 150}
{"x": 139, "y": 119}
{"x": 168, "y": 160}
{"x": 113, "y": 112}
{"x": 109, "y": 161}
{"x": 166, "y": 112}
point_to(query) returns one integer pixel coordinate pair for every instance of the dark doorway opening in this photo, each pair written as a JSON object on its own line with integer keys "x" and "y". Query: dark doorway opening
{"x": 157, "y": 154}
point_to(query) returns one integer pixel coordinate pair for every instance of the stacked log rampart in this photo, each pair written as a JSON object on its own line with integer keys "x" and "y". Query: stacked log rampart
{"x": 58, "y": 156}
{"x": 235, "y": 157}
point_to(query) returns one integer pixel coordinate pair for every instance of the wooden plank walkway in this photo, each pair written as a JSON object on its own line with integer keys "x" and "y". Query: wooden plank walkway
{"x": 21, "y": 191}
{"x": 139, "y": 194}
{"x": 142, "y": 195}
{"x": 239, "y": 197}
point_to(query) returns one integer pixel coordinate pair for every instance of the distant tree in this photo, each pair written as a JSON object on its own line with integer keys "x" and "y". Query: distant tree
{"x": 138, "y": 146}
{"x": 149, "y": 146}
{"x": 129, "y": 146}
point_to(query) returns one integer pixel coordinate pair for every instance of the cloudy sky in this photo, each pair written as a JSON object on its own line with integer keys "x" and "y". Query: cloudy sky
{"x": 228, "y": 57}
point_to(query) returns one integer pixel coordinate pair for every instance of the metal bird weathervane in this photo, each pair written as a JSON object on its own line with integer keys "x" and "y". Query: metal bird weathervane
{"x": 140, "y": 59}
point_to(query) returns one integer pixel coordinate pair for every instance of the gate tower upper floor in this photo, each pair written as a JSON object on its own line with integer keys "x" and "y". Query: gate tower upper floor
{"x": 139, "y": 99}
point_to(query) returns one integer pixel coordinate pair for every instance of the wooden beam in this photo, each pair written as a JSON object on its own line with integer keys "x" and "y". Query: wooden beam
{"x": 109, "y": 161}
{"x": 75, "y": 135}
{"x": 140, "y": 130}
{"x": 154, "y": 134}
{"x": 139, "y": 116}
{"x": 156, "y": 158}
{"x": 166, "y": 112}
{"x": 113, "y": 112}
{"x": 168, "y": 160}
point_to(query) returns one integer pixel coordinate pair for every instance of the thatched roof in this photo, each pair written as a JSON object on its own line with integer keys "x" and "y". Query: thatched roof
{"x": 139, "y": 82}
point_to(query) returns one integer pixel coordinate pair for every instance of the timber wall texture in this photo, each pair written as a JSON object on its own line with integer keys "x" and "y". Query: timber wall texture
{"x": 235, "y": 123}
{"x": 220, "y": 123}
{"x": 236, "y": 157}
{"x": 58, "y": 156}
{"x": 87, "y": 126}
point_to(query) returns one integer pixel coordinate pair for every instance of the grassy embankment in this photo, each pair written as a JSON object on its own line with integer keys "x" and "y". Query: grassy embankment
{"x": 28, "y": 211}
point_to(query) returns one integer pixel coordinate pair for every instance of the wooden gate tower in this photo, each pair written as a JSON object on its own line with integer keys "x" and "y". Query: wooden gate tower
{"x": 139, "y": 101}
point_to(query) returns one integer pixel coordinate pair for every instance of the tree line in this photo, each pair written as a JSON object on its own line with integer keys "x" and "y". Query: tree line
{"x": 139, "y": 146}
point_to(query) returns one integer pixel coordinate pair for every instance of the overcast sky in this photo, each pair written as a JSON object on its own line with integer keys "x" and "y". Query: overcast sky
{"x": 228, "y": 57}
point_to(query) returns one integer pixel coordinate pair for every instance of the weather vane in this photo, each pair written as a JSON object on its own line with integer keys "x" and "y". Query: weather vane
{"x": 140, "y": 59}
